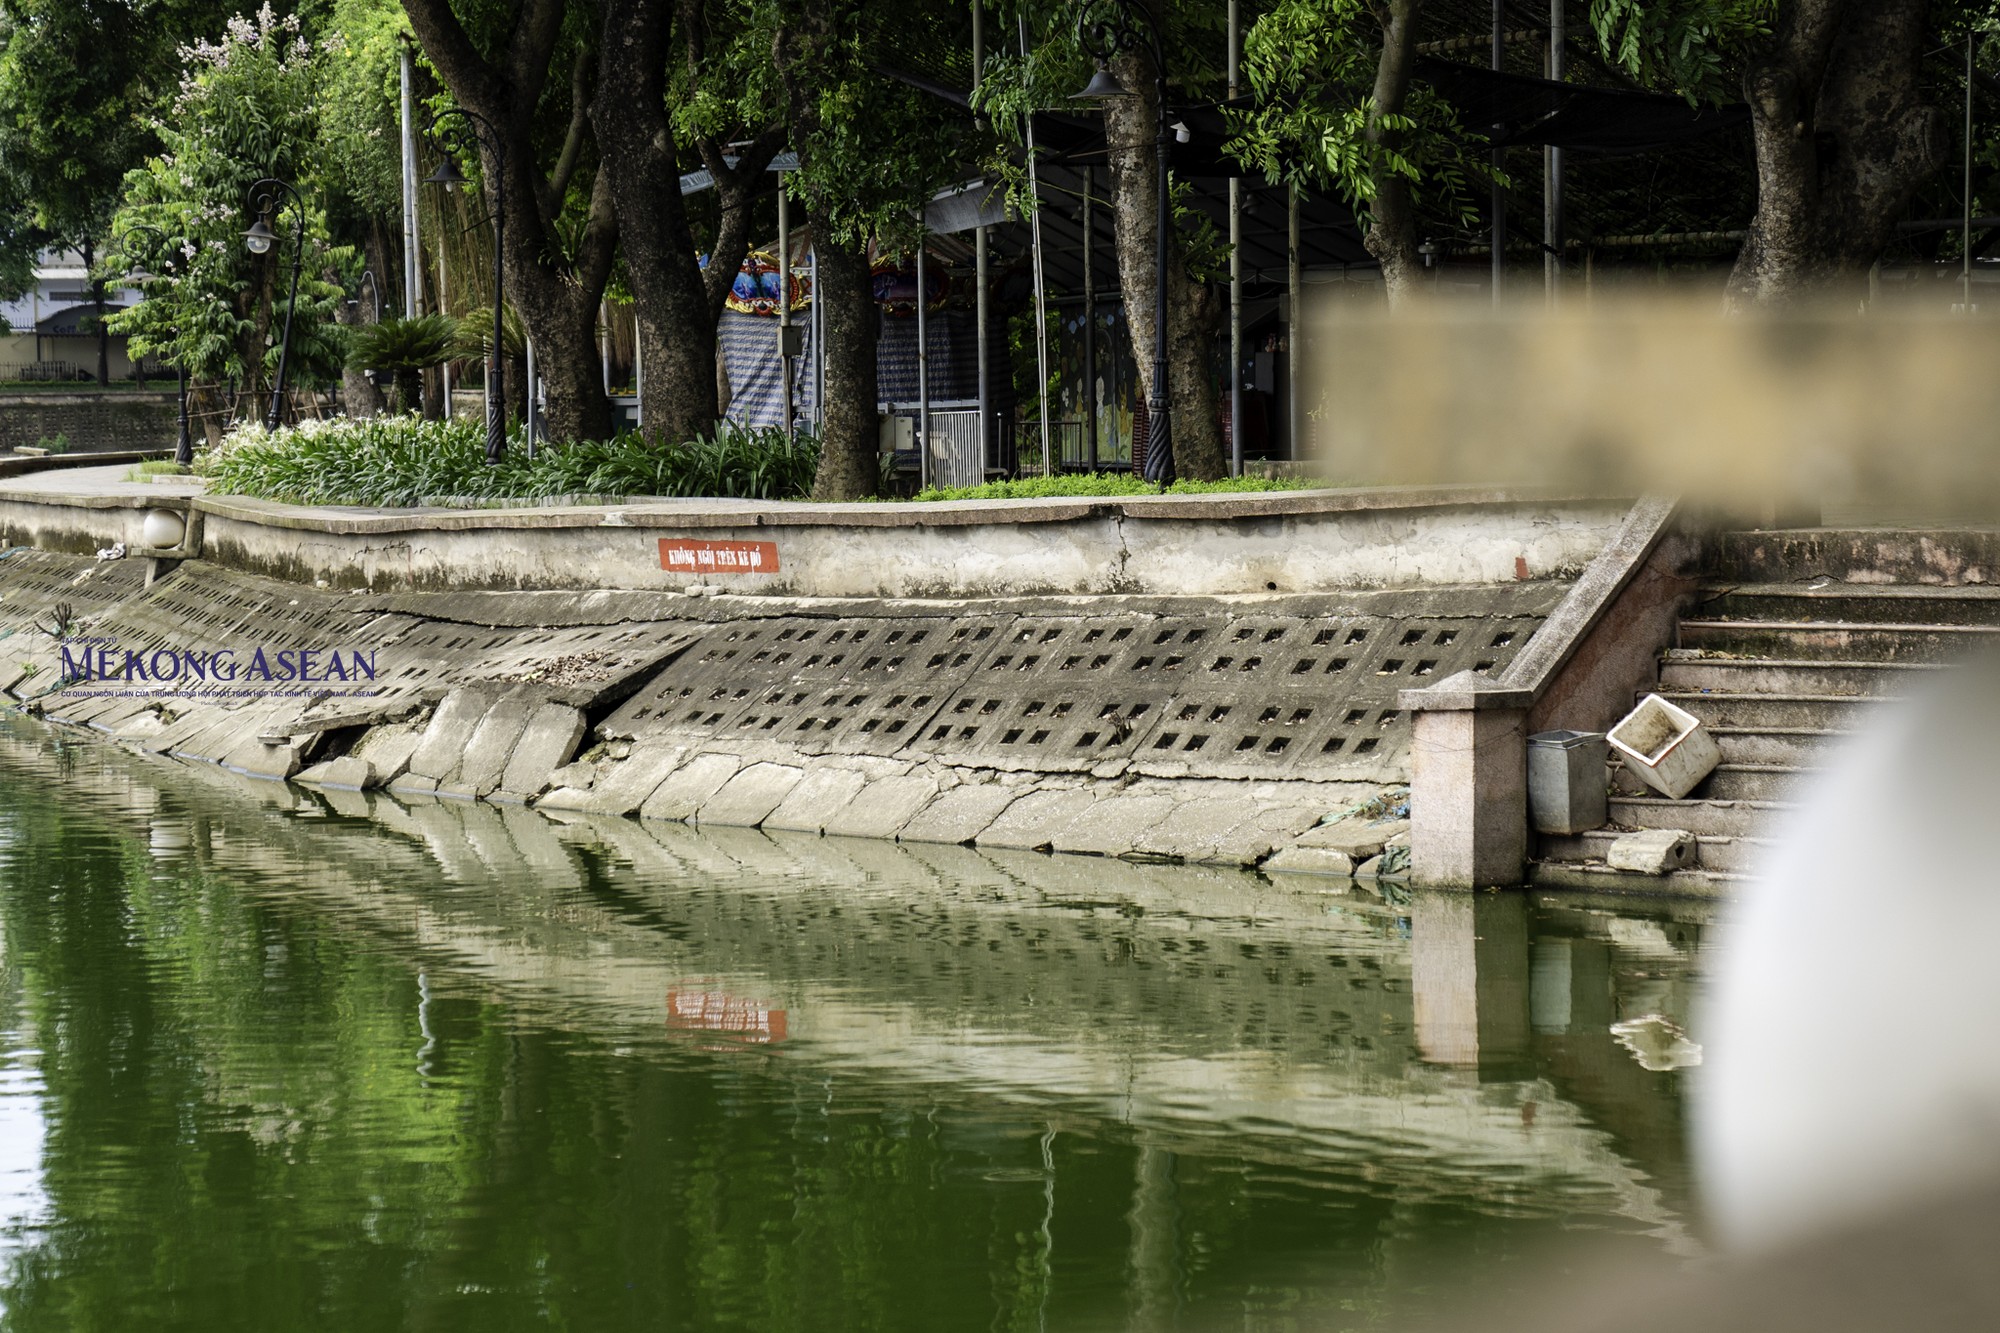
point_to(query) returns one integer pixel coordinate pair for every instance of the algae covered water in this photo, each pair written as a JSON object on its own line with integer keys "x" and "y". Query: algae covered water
{"x": 275, "y": 1060}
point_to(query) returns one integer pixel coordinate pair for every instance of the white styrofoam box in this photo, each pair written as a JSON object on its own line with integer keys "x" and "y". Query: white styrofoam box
{"x": 1667, "y": 747}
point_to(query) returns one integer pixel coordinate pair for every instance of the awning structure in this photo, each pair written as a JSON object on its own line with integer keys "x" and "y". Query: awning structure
{"x": 1532, "y": 112}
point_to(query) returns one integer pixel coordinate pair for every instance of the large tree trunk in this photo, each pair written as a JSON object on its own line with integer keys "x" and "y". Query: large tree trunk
{"x": 1131, "y": 131}
{"x": 675, "y": 327}
{"x": 357, "y": 391}
{"x": 850, "y": 437}
{"x": 1392, "y": 229}
{"x": 1842, "y": 143}
{"x": 97, "y": 300}
{"x": 557, "y": 297}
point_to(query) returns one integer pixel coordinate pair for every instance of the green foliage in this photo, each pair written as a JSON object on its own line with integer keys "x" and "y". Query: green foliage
{"x": 872, "y": 150}
{"x": 403, "y": 344}
{"x": 57, "y": 443}
{"x": 1689, "y": 46}
{"x": 1311, "y": 64}
{"x": 244, "y": 111}
{"x": 400, "y": 461}
{"x": 359, "y": 83}
{"x": 1107, "y": 484}
{"x": 155, "y": 467}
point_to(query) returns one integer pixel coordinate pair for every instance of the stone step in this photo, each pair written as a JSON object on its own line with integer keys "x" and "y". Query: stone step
{"x": 1859, "y": 603}
{"x": 1591, "y": 877}
{"x": 1838, "y": 641}
{"x": 1794, "y": 746}
{"x": 1722, "y": 708}
{"x": 1864, "y": 555}
{"x": 1704, "y": 819}
{"x": 1691, "y": 672}
{"x": 1754, "y": 782}
{"x": 1728, "y": 855}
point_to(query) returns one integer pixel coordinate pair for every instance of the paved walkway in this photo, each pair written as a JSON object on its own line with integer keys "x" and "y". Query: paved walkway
{"x": 99, "y": 481}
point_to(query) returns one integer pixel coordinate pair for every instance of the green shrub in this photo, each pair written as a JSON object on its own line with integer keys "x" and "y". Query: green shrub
{"x": 1107, "y": 483}
{"x": 404, "y": 461}
{"x": 57, "y": 443}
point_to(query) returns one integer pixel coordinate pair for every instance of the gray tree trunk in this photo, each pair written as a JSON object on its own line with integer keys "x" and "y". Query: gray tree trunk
{"x": 850, "y": 438}
{"x": 1392, "y": 230}
{"x": 557, "y": 298}
{"x": 1193, "y": 311}
{"x": 1842, "y": 143}
{"x": 635, "y": 135}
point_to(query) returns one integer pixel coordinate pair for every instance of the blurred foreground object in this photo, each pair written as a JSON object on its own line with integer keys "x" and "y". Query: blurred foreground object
{"x": 1888, "y": 870}
{"x": 1662, "y": 392}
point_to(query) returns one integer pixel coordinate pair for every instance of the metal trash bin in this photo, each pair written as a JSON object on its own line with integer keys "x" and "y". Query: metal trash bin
{"x": 1567, "y": 781}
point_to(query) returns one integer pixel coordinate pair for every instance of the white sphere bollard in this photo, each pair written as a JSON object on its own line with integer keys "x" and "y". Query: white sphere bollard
{"x": 163, "y": 528}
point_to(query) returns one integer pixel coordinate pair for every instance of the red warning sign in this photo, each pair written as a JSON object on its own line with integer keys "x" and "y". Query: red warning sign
{"x": 681, "y": 555}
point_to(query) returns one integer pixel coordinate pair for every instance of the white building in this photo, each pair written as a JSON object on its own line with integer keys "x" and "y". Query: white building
{"x": 49, "y": 332}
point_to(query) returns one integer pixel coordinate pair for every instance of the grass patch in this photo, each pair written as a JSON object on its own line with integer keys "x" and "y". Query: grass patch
{"x": 400, "y": 462}
{"x": 156, "y": 467}
{"x": 1108, "y": 484}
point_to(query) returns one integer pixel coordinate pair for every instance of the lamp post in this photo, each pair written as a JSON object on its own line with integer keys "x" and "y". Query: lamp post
{"x": 1107, "y": 29}
{"x": 160, "y": 245}
{"x": 476, "y": 128}
{"x": 259, "y": 239}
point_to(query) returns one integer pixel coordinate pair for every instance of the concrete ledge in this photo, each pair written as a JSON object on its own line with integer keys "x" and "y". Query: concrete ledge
{"x": 1196, "y": 545}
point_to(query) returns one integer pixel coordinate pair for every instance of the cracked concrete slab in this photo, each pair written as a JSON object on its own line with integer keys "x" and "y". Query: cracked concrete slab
{"x": 884, "y": 807}
{"x": 681, "y": 794}
{"x": 819, "y": 797}
{"x": 960, "y": 814}
{"x": 546, "y": 743}
{"x": 748, "y": 799}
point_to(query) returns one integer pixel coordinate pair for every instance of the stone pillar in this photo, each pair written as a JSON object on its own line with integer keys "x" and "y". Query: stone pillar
{"x": 1468, "y": 783}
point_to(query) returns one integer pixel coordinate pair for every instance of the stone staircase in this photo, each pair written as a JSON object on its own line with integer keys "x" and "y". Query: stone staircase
{"x": 1796, "y": 637}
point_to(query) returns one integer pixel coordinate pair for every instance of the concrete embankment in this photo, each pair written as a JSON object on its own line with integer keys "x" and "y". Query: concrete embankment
{"x": 1010, "y": 676}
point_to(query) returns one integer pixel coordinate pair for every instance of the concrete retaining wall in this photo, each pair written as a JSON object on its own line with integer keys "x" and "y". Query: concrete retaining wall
{"x": 90, "y": 421}
{"x": 1225, "y": 545}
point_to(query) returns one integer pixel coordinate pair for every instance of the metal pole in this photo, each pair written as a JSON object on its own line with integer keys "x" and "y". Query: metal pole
{"x": 1552, "y": 170}
{"x": 1965, "y": 278}
{"x": 1499, "y": 160}
{"x": 1090, "y": 314}
{"x": 818, "y": 327}
{"x": 285, "y": 343}
{"x": 980, "y": 255}
{"x": 923, "y": 368}
{"x": 1041, "y": 289}
{"x": 528, "y": 426}
{"x": 1295, "y": 288}
{"x": 1235, "y": 265}
{"x": 183, "y": 446}
{"x": 444, "y": 308}
{"x": 785, "y": 304}
{"x": 410, "y": 252}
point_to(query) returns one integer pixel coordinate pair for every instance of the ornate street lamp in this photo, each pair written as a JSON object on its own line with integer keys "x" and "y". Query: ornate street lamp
{"x": 161, "y": 246}
{"x": 1107, "y": 29}
{"x": 475, "y": 128}
{"x": 259, "y": 239}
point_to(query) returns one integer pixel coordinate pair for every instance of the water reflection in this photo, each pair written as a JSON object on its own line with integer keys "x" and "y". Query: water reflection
{"x": 419, "y": 1062}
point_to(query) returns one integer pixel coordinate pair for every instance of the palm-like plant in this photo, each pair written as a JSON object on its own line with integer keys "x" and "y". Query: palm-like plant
{"x": 405, "y": 349}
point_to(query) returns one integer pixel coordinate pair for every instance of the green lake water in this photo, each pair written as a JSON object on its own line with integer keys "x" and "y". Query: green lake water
{"x": 273, "y": 1061}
